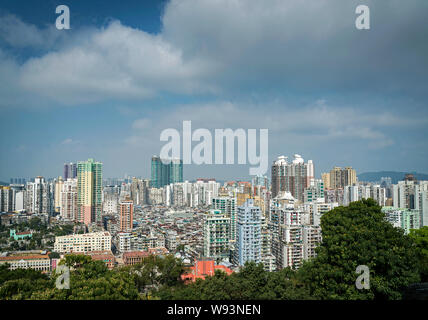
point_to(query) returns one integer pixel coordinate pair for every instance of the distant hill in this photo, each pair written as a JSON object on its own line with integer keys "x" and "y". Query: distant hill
{"x": 394, "y": 175}
{"x": 3, "y": 183}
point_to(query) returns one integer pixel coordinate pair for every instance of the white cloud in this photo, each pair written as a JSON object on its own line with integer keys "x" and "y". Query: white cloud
{"x": 117, "y": 62}
{"x": 228, "y": 46}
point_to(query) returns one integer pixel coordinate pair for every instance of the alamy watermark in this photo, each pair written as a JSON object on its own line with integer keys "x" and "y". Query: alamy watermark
{"x": 63, "y": 280}
{"x": 202, "y": 153}
{"x": 363, "y": 280}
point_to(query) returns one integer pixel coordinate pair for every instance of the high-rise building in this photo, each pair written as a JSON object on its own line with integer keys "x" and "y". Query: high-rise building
{"x": 139, "y": 191}
{"x": 89, "y": 191}
{"x": 126, "y": 215}
{"x": 423, "y": 207}
{"x": 404, "y": 218}
{"x": 175, "y": 171}
{"x": 70, "y": 171}
{"x": 326, "y": 179}
{"x": 341, "y": 177}
{"x": 58, "y": 193}
{"x": 68, "y": 208}
{"x": 314, "y": 191}
{"x": 164, "y": 172}
{"x": 364, "y": 191}
{"x": 39, "y": 196}
{"x": 248, "y": 236}
{"x": 6, "y": 199}
{"x": 227, "y": 205}
{"x": 412, "y": 194}
{"x": 260, "y": 180}
{"x": 216, "y": 235}
{"x": 293, "y": 177}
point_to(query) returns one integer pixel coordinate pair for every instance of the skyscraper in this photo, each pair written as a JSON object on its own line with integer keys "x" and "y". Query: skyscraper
{"x": 58, "y": 193}
{"x": 70, "y": 171}
{"x": 216, "y": 235}
{"x": 126, "y": 215}
{"x": 89, "y": 191}
{"x": 175, "y": 171}
{"x": 294, "y": 177}
{"x": 68, "y": 208}
{"x": 248, "y": 235}
{"x": 342, "y": 177}
{"x": 164, "y": 172}
{"x": 39, "y": 196}
{"x": 227, "y": 205}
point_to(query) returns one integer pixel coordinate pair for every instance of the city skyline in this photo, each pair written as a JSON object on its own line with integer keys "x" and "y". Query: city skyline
{"x": 318, "y": 174}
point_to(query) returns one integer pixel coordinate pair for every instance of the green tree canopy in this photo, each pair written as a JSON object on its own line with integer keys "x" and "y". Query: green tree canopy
{"x": 360, "y": 235}
{"x": 420, "y": 238}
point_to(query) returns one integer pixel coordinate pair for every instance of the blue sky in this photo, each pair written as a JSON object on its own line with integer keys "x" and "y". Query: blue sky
{"x": 129, "y": 69}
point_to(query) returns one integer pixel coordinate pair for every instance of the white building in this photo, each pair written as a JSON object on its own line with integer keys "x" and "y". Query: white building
{"x": 68, "y": 196}
{"x": 125, "y": 241}
{"x": 82, "y": 243}
{"x": 248, "y": 234}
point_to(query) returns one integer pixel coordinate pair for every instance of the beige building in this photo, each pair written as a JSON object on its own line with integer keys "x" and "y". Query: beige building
{"x": 39, "y": 262}
{"x": 339, "y": 178}
{"x": 326, "y": 179}
{"x": 126, "y": 215}
{"x": 82, "y": 243}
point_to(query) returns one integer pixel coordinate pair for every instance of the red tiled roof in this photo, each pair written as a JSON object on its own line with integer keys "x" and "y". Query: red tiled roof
{"x": 23, "y": 233}
{"x": 135, "y": 254}
{"x": 26, "y": 257}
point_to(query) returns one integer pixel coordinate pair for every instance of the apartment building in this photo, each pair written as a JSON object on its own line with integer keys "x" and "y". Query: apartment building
{"x": 82, "y": 243}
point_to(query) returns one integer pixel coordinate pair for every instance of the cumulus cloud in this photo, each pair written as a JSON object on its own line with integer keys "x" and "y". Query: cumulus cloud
{"x": 19, "y": 34}
{"x": 231, "y": 47}
{"x": 305, "y": 45}
{"x": 117, "y": 62}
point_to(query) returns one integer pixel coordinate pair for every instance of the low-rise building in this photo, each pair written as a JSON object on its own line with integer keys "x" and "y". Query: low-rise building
{"x": 134, "y": 257}
{"x": 202, "y": 269}
{"x": 39, "y": 262}
{"x": 82, "y": 243}
{"x": 105, "y": 256}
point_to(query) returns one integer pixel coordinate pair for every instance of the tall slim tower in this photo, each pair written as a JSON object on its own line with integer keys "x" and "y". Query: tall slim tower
{"x": 126, "y": 215}
{"x": 89, "y": 191}
{"x": 70, "y": 171}
{"x": 248, "y": 235}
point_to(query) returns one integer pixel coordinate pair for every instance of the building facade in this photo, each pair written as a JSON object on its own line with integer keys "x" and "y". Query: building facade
{"x": 292, "y": 176}
{"x": 89, "y": 191}
{"x": 248, "y": 237}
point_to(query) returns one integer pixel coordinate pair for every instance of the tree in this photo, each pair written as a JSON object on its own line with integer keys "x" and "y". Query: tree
{"x": 155, "y": 272}
{"x": 360, "y": 235}
{"x": 20, "y": 283}
{"x": 420, "y": 239}
{"x": 90, "y": 280}
{"x": 250, "y": 283}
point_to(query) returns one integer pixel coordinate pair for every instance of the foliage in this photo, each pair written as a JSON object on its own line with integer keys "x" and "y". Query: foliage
{"x": 360, "y": 235}
{"x": 420, "y": 238}
{"x": 155, "y": 272}
{"x": 20, "y": 283}
{"x": 252, "y": 282}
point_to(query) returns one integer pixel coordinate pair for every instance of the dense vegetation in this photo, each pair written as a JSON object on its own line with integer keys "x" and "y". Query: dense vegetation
{"x": 352, "y": 236}
{"x": 43, "y": 235}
